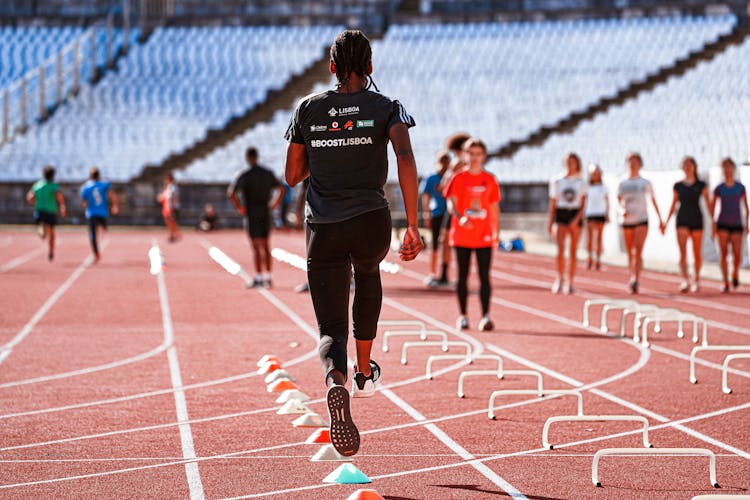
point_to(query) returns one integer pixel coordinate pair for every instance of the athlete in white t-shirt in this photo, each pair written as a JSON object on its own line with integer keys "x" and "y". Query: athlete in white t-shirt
{"x": 597, "y": 214}
{"x": 567, "y": 193}
{"x": 631, "y": 195}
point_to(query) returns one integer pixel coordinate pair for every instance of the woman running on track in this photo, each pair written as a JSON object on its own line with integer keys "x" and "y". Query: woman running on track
{"x": 339, "y": 138}
{"x": 474, "y": 200}
{"x": 170, "y": 207}
{"x": 631, "y": 195}
{"x": 728, "y": 225}
{"x": 567, "y": 193}
{"x": 597, "y": 214}
{"x": 688, "y": 194}
{"x": 48, "y": 202}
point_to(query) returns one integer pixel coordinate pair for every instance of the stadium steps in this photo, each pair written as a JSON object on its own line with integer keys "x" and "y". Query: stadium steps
{"x": 635, "y": 88}
{"x": 285, "y": 98}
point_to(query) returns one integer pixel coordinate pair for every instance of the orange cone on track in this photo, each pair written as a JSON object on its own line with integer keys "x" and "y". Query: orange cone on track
{"x": 320, "y": 436}
{"x": 269, "y": 367}
{"x": 265, "y": 359}
{"x": 365, "y": 495}
{"x": 281, "y": 385}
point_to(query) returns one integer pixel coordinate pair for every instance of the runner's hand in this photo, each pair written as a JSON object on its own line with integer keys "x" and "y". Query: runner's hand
{"x": 412, "y": 244}
{"x": 242, "y": 211}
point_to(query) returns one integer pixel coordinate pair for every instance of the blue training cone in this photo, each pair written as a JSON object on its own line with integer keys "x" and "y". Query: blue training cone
{"x": 347, "y": 474}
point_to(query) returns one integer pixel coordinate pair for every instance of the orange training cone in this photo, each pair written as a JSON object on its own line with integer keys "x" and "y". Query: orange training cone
{"x": 269, "y": 367}
{"x": 265, "y": 359}
{"x": 281, "y": 385}
{"x": 320, "y": 436}
{"x": 365, "y": 495}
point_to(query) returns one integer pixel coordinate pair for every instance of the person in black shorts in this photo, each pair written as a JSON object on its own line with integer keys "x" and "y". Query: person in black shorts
{"x": 338, "y": 139}
{"x": 434, "y": 213}
{"x": 257, "y": 185}
{"x": 688, "y": 193}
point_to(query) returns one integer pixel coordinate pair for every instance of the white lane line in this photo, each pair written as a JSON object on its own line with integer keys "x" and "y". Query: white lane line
{"x": 11, "y": 264}
{"x": 453, "y": 445}
{"x": 85, "y": 371}
{"x": 6, "y": 349}
{"x": 186, "y": 435}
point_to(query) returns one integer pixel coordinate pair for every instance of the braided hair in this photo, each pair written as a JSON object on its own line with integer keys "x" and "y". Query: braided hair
{"x": 351, "y": 53}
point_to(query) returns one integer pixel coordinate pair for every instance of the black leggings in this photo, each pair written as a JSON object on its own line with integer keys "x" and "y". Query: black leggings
{"x": 95, "y": 221}
{"x": 332, "y": 250}
{"x": 484, "y": 259}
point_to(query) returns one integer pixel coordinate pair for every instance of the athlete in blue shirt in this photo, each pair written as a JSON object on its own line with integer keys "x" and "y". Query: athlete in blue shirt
{"x": 98, "y": 200}
{"x": 434, "y": 208}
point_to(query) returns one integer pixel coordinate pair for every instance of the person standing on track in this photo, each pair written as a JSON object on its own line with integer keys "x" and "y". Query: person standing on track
{"x": 48, "y": 202}
{"x": 597, "y": 215}
{"x": 98, "y": 201}
{"x": 339, "y": 138}
{"x": 567, "y": 193}
{"x": 434, "y": 207}
{"x": 261, "y": 193}
{"x": 170, "y": 207}
{"x": 474, "y": 201}
{"x": 688, "y": 193}
{"x": 631, "y": 195}
{"x": 728, "y": 226}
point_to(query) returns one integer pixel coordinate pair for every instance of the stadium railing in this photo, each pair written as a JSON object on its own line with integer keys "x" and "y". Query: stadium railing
{"x": 31, "y": 97}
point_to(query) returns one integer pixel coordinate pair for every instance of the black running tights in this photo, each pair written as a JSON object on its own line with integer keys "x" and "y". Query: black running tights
{"x": 332, "y": 250}
{"x": 484, "y": 259}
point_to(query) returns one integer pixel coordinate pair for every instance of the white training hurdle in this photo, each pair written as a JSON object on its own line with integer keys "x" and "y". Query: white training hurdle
{"x": 635, "y": 311}
{"x": 607, "y": 305}
{"x": 654, "y": 451}
{"x": 422, "y": 334}
{"x": 500, "y": 374}
{"x": 595, "y": 418}
{"x": 696, "y": 350}
{"x": 661, "y": 316}
{"x": 532, "y": 392}
{"x": 445, "y": 346}
{"x": 725, "y": 368}
{"x": 445, "y": 357}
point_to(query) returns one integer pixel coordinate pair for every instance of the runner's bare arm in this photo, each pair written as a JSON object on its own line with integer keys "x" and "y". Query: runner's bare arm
{"x": 663, "y": 225}
{"x": 407, "y": 178}
{"x": 297, "y": 166}
{"x": 280, "y": 192}
{"x": 114, "y": 203}
{"x": 30, "y": 197}
{"x": 61, "y": 203}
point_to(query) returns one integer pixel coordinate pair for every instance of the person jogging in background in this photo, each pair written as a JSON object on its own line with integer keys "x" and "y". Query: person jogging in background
{"x": 48, "y": 202}
{"x": 597, "y": 215}
{"x": 474, "y": 201}
{"x": 434, "y": 207}
{"x": 261, "y": 193}
{"x": 567, "y": 193}
{"x": 688, "y": 193}
{"x": 99, "y": 201}
{"x": 339, "y": 138}
{"x": 728, "y": 226}
{"x": 632, "y": 196}
{"x": 170, "y": 207}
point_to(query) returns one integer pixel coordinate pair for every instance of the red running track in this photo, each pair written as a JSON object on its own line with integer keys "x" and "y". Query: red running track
{"x": 115, "y": 382}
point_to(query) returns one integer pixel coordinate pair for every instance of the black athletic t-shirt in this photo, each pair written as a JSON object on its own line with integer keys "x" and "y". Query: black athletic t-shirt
{"x": 255, "y": 184}
{"x": 346, "y": 138}
{"x": 689, "y": 196}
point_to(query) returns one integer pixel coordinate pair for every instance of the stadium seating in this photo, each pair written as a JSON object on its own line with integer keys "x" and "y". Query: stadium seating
{"x": 498, "y": 80}
{"x": 703, "y": 114}
{"x": 165, "y": 95}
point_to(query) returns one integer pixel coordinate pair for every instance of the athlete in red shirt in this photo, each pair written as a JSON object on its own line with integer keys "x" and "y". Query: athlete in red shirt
{"x": 473, "y": 198}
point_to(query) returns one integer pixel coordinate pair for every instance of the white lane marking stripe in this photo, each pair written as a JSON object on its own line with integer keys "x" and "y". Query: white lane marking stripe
{"x": 20, "y": 259}
{"x": 186, "y": 436}
{"x": 42, "y": 311}
{"x": 453, "y": 445}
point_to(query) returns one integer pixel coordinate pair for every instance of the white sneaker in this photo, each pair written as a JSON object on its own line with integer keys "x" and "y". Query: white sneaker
{"x": 695, "y": 286}
{"x": 485, "y": 324}
{"x": 567, "y": 289}
{"x": 556, "y": 286}
{"x": 364, "y": 387}
{"x": 462, "y": 323}
{"x": 684, "y": 287}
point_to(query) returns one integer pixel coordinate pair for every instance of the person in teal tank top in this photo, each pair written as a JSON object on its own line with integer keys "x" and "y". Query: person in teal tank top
{"x": 48, "y": 202}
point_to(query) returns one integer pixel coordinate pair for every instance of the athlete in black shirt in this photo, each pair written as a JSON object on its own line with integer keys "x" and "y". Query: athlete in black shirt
{"x": 256, "y": 184}
{"x": 338, "y": 139}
